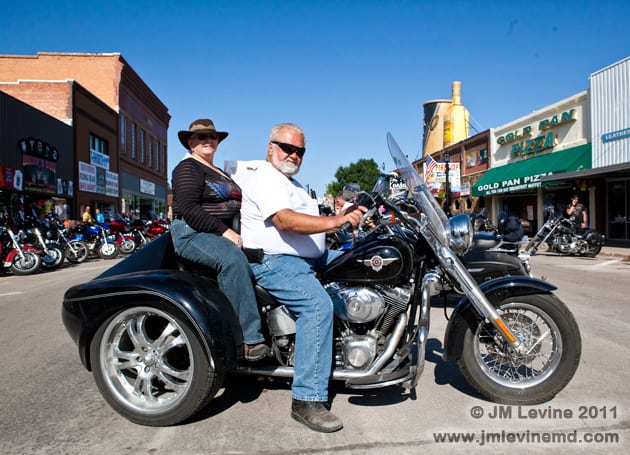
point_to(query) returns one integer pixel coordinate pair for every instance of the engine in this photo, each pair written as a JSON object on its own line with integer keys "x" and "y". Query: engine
{"x": 363, "y": 316}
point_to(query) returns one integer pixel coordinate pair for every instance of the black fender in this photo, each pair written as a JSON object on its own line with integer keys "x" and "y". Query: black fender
{"x": 465, "y": 315}
{"x": 191, "y": 296}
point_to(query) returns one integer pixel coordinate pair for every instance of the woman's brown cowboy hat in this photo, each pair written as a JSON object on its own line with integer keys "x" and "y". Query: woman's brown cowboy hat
{"x": 199, "y": 126}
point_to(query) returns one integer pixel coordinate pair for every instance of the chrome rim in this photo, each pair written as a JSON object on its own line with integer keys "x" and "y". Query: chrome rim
{"x": 540, "y": 336}
{"x": 29, "y": 262}
{"x": 146, "y": 360}
{"x": 108, "y": 249}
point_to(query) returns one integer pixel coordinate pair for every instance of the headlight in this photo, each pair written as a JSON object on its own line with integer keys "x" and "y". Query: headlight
{"x": 460, "y": 235}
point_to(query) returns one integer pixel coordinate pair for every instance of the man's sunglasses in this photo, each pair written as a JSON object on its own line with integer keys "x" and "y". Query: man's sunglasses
{"x": 204, "y": 136}
{"x": 290, "y": 149}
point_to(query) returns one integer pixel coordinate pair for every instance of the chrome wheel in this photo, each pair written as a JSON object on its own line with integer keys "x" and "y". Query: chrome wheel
{"x": 151, "y": 367}
{"x": 536, "y": 331}
{"x": 30, "y": 263}
{"x": 551, "y": 343}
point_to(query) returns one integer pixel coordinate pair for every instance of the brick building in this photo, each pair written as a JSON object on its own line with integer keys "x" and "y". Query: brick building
{"x": 120, "y": 134}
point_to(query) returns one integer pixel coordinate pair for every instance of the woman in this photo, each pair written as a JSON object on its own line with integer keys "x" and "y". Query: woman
{"x": 206, "y": 205}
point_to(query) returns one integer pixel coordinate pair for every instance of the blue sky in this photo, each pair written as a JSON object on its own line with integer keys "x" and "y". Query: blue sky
{"x": 346, "y": 71}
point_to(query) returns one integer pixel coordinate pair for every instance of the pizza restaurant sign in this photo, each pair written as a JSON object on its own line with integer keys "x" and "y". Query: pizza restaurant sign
{"x": 522, "y": 142}
{"x": 527, "y": 182}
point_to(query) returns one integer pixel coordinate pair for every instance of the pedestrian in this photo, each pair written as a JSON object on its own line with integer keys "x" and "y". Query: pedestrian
{"x": 576, "y": 212}
{"x": 87, "y": 215}
{"x": 206, "y": 205}
{"x": 280, "y": 217}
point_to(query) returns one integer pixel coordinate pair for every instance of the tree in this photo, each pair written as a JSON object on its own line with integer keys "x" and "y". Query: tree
{"x": 364, "y": 172}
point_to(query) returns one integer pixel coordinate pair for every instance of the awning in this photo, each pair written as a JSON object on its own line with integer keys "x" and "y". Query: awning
{"x": 527, "y": 174}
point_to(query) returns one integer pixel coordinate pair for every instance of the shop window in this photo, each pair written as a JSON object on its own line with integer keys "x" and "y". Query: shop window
{"x": 133, "y": 140}
{"x": 483, "y": 156}
{"x": 142, "y": 145}
{"x": 150, "y": 152}
{"x": 123, "y": 133}
{"x": 618, "y": 210}
{"x": 98, "y": 144}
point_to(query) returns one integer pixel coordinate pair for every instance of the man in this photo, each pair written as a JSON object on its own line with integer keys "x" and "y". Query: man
{"x": 87, "y": 216}
{"x": 280, "y": 217}
{"x": 576, "y": 212}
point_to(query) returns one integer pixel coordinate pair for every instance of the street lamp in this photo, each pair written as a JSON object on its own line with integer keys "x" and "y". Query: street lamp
{"x": 447, "y": 197}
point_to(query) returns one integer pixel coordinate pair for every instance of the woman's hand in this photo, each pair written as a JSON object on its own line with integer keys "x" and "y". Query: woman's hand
{"x": 233, "y": 237}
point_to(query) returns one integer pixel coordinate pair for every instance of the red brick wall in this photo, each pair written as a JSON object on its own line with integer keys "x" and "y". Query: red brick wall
{"x": 99, "y": 73}
{"x": 53, "y": 98}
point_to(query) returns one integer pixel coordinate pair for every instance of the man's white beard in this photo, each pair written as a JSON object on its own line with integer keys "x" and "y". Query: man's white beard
{"x": 286, "y": 167}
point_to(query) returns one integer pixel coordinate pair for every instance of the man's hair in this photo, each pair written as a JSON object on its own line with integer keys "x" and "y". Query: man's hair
{"x": 275, "y": 131}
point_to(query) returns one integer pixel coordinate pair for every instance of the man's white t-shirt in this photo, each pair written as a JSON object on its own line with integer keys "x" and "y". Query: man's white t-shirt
{"x": 266, "y": 191}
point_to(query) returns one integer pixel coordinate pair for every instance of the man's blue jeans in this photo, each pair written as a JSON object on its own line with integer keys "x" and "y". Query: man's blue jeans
{"x": 234, "y": 276}
{"x": 291, "y": 280}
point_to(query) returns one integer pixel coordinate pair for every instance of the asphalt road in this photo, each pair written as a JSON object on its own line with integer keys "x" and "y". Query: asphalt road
{"x": 50, "y": 404}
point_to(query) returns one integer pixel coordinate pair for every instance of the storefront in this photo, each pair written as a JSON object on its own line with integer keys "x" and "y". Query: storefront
{"x": 140, "y": 197}
{"x": 36, "y": 161}
{"x": 553, "y": 140}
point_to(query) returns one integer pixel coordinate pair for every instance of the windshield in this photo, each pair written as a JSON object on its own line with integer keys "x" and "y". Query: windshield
{"x": 436, "y": 218}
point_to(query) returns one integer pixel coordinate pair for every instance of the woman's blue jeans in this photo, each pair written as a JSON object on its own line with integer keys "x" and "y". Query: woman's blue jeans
{"x": 234, "y": 276}
{"x": 291, "y": 280}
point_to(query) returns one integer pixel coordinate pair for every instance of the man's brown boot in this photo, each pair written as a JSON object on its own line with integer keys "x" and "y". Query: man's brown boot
{"x": 314, "y": 415}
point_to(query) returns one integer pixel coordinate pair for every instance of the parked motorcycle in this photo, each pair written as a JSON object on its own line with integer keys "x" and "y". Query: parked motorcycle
{"x": 496, "y": 250}
{"x": 559, "y": 235}
{"x": 96, "y": 237}
{"x": 119, "y": 231}
{"x": 19, "y": 259}
{"x": 41, "y": 234}
{"x": 160, "y": 338}
{"x": 76, "y": 251}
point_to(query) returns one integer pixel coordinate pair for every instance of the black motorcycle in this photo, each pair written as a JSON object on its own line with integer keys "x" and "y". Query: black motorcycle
{"x": 560, "y": 235}
{"x": 160, "y": 338}
{"x": 42, "y": 234}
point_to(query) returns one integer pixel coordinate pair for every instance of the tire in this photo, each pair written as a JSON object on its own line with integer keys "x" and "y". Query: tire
{"x": 30, "y": 264}
{"x": 547, "y": 366}
{"x": 127, "y": 246}
{"x": 151, "y": 368}
{"x": 593, "y": 251}
{"x": 108, "y": 250}
{"x": 55, "y": 257}
{"x": 77, "y": 252}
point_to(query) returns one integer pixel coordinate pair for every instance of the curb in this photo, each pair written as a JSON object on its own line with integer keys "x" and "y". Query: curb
{"x": 614, "y": 255}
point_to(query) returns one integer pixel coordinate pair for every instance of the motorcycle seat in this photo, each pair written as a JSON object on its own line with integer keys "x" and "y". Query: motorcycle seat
{"x": 484, "y": 240}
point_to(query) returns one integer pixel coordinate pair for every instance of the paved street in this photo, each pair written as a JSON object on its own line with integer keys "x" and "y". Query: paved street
{"x": 51, "y": 405}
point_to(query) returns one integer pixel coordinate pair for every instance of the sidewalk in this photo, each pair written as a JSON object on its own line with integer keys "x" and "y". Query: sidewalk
{"x": 616, "y": 252}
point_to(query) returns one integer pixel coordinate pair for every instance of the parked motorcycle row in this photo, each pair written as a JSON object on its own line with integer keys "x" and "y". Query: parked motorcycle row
{"x": 31, "y": 244}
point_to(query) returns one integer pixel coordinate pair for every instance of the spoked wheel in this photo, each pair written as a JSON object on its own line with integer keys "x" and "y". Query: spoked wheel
{"x": 77, "y": 252}
{"x": 28, "y": 265}
{"x": 552, "y": 347}
{"x": 151, "y": 367}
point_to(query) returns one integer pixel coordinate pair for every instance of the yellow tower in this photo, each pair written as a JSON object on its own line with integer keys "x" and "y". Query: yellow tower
{"x": 456, "y": 118}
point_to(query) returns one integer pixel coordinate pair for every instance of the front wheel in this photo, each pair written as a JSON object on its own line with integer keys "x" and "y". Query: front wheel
{"x": 551, "y": 338}
{"x": 29, "y": 264}
{"x": 54, "y": 257}
{"x": 150, "y": 366}
{"x": 77, "y": 251}
{"x": 108, "y": 250}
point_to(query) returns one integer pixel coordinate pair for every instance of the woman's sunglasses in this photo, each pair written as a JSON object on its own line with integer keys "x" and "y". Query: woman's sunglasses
{"x": 290, "y": 149}
{"x": 204, "y": 136}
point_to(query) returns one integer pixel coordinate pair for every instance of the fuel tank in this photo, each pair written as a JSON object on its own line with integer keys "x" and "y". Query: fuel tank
{"x": 384, "y": 259}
